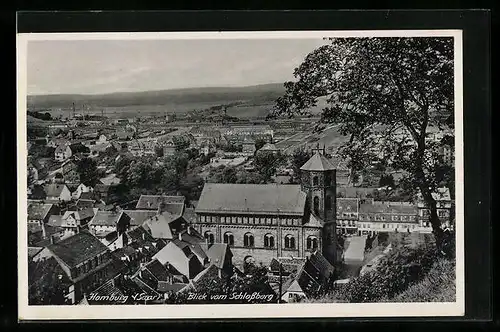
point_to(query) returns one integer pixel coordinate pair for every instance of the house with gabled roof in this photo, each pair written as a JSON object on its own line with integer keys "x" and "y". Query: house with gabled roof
{"x": 165, "y": 225}
{"x": 62, "y": 152}
{"x": 105, "y": 222}
{"x": 315, "y": 275}
{"x": 74, "y": 221}
{"x": 86, "y": 262}
{"x": 160, "y": 278}
{"x": 172, "y": 204}
{"x": 137, "y": 217}
{"x": 220, "y": 256}
{"x": 178, "y": 254}
{"x": 39, "y": 213}
{"x": 56, "y": 192}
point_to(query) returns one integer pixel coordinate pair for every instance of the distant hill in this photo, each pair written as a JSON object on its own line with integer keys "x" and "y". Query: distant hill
{"x": 258, "y": 94}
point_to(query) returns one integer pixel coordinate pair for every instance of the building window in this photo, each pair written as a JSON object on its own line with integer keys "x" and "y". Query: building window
{"x": 229, "y": 238}
{"x": 209, "y": 236}
{"x": 248, "y": 240}
{"x": 316, "y": 205}
{"x": 312, "y": 243}
{"x": 289, "y": 242}
{"x": 269, "y": 241}
{"x": 442, "y": 213}
{"x": 315, "y": 181}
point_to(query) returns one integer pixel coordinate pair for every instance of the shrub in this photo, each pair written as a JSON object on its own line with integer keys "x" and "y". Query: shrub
{"x": 397, "y": 271}
{"x": 437, "y": 286}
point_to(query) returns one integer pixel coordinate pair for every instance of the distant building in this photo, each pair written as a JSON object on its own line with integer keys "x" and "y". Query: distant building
{"x": 62, "y": 153}
{"x": 248, "y": 146}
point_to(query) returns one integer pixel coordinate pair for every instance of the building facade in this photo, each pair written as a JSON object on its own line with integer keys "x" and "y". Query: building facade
{"x": 265, "y": 221}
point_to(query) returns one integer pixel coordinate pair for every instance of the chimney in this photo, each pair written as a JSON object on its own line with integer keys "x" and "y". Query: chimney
{"x": 44, "y": 232}
{"x": 189, "y": 230}
{"x": 52, "y": 239}
{"x": 143, "y": 236}
{"x": 180, "y": 236}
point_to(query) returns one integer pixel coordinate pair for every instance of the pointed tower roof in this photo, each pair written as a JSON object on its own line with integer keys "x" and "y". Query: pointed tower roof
{"x": 318, "y": 162}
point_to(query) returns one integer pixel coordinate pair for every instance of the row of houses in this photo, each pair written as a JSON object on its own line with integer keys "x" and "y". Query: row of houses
{"x": 365, "y": 216}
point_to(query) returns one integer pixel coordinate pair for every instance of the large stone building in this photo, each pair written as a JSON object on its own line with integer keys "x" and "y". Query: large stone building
{"x": 265, "y": 221}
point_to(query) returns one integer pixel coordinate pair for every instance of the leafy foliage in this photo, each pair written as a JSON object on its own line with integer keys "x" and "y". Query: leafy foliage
{"x": 266, "y": 163}
{"x": 298, "y": 159}
{"x": 87, "y": 168}
{"x": 384, "y": 93}
{"x": 396, "y": 272}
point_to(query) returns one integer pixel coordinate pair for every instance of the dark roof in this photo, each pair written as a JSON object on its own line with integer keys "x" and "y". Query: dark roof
{"x": 319, "y": 261}
{"x": 354, "y": 192}
{"x": 151, "y": 202}
{"x": 87, "y": 196}
{"x": 389, "y": 208}
{"x": 77, "y": 248}
{"x": 318, "y": 162}
{"x": 289, "y": 265}
{"x": 38, "y": 211}
{"x": 102, "y": 188}
{"x": 106, "y": 218}
{"x": 107, "y": 289}
{"x": 85, "y": 203}
{"x": 252, "y": 198}
{"x": 47, "y": 273}
{"x": 347, "y": 205}
{"x": 139, "y": 234}
{"x": 54, "y": 189}
{"x": 80, "y": 215}
{"x": 55, "y": 220}
{"x": 157, "y": 270}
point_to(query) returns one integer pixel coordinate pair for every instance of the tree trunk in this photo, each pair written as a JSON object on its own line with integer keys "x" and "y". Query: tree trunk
{"x": 426, "y": 193}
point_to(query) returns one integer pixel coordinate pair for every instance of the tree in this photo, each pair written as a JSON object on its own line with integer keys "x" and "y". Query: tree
{"x": 180, "y": 143}
{"x": 386, "y": 180}
{"x": 299, "y": 158}
{"x": 384, "y": 93}
{"x": 87, "y": 168}
{"x": 266, "y": 163}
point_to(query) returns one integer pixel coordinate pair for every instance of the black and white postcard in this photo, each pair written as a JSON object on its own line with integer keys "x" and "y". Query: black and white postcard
{"x": 240, "y": 174}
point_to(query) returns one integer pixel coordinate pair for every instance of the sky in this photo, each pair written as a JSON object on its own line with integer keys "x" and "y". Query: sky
{"x": 107, "y": 66}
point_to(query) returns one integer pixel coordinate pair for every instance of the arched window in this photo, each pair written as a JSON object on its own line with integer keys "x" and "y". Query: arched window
{"x": 209, "y": 236}
{"x": 229, "y": 238}
{"x": 316, "y": 204}
{"x": 269, "y": 241}
{"x": 248, "y": 240}
{"x": 312, "y": 243}
{"x": 315, "y": 181}
{"x": 289, "y": 242}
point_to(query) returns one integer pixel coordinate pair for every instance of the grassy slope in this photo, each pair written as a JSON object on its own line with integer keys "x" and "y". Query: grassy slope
{"x": 437, "y": 286}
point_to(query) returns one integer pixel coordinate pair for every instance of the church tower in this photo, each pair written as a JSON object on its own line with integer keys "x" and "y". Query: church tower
{"x": 319, "y": 182}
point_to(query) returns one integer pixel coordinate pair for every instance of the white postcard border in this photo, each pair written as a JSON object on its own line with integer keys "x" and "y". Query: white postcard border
{"x": 222, "y": 311}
